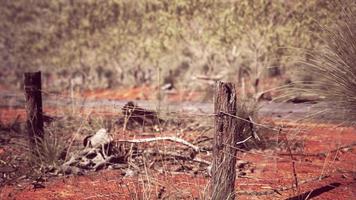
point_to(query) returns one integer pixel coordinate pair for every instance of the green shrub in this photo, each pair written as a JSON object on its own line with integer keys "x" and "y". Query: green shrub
{"x": 109, "y": 42}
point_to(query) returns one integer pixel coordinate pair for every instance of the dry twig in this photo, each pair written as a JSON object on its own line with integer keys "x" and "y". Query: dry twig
{"x": 281, "y": 189}
{"x": 172, "y": 139}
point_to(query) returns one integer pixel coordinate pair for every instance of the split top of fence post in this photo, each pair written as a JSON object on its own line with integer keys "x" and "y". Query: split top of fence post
{"x": 33, "y": 95}
{"x": 222, "y": 184}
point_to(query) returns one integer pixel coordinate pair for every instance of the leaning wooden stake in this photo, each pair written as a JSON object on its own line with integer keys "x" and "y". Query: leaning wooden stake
{"x": 32, "y": 82}
{"x": 222, "y": 185}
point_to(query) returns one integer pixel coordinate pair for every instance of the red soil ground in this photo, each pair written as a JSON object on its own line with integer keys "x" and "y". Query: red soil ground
{"x": 143, "y": 93}
{"x": 271, "y": 170}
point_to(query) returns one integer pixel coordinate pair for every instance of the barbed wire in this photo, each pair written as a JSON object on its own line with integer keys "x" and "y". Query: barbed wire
{"x": 181, "y": 115}
{"x": 184, "y": 115}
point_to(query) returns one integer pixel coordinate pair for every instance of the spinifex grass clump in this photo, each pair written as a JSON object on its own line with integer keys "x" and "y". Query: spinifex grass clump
{"x": 333, "y": 69}
{"x": 50, "y": 151}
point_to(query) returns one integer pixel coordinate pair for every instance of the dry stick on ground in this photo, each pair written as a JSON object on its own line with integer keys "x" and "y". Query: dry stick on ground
{"x": 202, "y": 139}
{"x": 338, "y": 148}
{"x": 321, "y": 153}
{"x": 172, "y": 139}
{"x": 180, "y": 156}
{"x": 293, "y": 161}
{"x": 249, "y": 121}
{"x": 281, "y": 189}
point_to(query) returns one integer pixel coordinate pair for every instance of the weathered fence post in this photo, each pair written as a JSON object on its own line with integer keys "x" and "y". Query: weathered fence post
{"x": 33, "y": 94}
{"x": 222, "y": 185}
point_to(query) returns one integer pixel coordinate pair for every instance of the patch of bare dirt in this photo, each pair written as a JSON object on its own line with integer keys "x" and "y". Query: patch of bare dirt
{"x": 320, "y": 164}
{"x": 144, "y": 93}
{"x": 264, "y": 174}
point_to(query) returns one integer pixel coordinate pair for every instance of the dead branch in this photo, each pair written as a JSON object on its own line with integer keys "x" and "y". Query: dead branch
{"x": 180, "y": 156}
{"x": 293, "y": 161}
{"x": 339, "y": 148}
{"x": 208, "y": 78}
{"x": 320, "y": 154}
{"x": 202, "y": 139}
{"x": 245, "y": 140}
{"x": 172, "y": 139}
{"x": 281, "y": 189}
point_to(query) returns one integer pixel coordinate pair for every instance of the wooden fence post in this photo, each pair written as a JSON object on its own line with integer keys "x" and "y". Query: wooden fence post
{"x": 33, "y": 94}
{"x": 222, "y": 185}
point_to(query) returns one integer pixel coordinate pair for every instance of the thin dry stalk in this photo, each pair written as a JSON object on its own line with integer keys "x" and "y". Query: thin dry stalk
{"x": 76, "y": 134}
{"x": 293, "y": 163}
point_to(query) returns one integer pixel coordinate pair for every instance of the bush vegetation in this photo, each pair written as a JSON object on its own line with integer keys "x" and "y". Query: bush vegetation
{"x": 333, "y": 68}
{"x": 107, "y": 43}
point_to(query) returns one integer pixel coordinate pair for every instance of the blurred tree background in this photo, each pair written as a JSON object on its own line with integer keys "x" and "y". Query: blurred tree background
{"x": 110, "y": 43}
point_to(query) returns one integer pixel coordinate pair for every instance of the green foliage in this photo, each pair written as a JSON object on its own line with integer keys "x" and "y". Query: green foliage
{"x": 109, "y": 41}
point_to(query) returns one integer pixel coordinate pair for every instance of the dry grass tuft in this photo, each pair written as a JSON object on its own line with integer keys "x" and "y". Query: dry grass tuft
{"x": 50, "y": 152}
{"x": 333, "y": 69}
